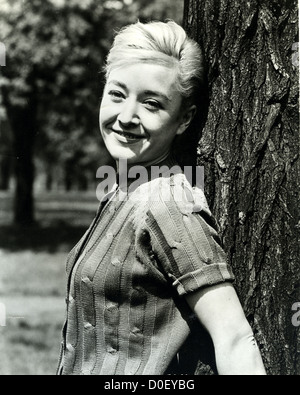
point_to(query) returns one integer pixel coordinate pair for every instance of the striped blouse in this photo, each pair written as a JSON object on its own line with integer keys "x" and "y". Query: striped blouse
{"x": 126, "y": 312}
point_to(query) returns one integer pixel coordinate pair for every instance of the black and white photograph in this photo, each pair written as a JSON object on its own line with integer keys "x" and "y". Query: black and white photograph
{"x": 149, "y": 190}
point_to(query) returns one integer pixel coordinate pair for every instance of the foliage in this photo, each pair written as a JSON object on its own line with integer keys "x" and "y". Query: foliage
{"x": 55, "y": 52}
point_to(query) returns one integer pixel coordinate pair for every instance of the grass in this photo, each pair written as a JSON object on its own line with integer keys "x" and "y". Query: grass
{"x": 32, "y": 279}
{"x": 30, "y": 341}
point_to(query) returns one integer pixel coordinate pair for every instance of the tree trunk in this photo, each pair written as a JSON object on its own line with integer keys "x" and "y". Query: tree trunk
{"x": 4, "y": 172}
{"x": 49, "y": 180}
{"x": 5, "y": 155}
{"x": 23, "y": 124}
{"x": 250, "y": 150}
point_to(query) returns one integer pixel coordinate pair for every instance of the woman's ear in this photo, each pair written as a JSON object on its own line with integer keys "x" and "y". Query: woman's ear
{"x": 187, "y": 117}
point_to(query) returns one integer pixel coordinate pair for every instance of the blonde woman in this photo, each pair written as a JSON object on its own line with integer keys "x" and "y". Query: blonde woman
{"x": 151, "y": 262}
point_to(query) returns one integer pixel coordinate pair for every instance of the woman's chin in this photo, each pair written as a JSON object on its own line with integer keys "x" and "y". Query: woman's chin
{"x": 124, "y": 155}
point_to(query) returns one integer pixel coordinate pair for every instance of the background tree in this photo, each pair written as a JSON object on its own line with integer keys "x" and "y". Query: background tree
{"x": 250, "y": 150}
{"x": 5, "y": 155}
{"x": 51, "y": 86}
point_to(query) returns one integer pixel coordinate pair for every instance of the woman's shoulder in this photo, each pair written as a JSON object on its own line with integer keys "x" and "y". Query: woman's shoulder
{"x": 171, "y": 193}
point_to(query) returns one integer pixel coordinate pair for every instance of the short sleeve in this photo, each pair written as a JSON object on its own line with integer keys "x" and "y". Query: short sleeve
{"x": 184, "y": 239}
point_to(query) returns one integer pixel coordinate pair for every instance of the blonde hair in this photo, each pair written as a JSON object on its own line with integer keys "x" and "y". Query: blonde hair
{"x": 160, "y": 43}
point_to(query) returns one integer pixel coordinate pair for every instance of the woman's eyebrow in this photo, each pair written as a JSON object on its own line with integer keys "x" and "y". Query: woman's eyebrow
{"x": 157, "y": 94}
{"x": 119, "y": 84}
{"x": 147, "y": 92}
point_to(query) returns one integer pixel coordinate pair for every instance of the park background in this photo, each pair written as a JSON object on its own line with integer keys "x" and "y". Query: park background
{"x": 50, "y": 150}
{"x": 55, "y": 53}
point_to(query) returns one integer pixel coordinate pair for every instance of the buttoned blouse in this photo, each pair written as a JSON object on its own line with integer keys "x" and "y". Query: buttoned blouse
{"x": 126, "y": 312}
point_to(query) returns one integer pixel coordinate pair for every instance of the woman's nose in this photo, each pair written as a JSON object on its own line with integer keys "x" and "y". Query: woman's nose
{"x": 128, "y": 115}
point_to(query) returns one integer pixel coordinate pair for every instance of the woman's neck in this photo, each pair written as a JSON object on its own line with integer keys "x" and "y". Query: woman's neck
{"x": 147, "y": 164}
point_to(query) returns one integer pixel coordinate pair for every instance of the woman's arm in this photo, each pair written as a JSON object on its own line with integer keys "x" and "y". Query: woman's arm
{"x": 220, "y": 312}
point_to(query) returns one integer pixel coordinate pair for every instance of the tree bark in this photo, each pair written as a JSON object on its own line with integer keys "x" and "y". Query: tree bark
{"x": 250, "y": 150}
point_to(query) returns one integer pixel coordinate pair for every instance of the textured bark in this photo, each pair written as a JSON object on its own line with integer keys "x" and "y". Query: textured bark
{"x": 250, "y": 150}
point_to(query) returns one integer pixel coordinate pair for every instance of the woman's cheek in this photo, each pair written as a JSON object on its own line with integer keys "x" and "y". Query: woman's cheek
{"x": 153, "y": 124}
{"x": 107, "y": 113}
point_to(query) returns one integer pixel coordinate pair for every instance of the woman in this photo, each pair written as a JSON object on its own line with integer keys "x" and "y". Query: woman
{"x": 148, "y": 266}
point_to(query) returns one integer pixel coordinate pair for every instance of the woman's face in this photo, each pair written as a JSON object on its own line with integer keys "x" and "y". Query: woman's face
{"x": 141, "y": 113}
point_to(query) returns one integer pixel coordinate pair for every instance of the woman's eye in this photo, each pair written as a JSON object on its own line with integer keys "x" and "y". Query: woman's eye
{"x": 116, "y": 95}
{"x": 153, "y": 105}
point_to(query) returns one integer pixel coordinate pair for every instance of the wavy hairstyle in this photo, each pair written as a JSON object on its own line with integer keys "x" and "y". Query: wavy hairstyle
{"x": 163, "y": 43}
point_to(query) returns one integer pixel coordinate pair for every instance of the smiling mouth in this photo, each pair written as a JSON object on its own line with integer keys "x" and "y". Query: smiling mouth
{"x": 128, "y": 136}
